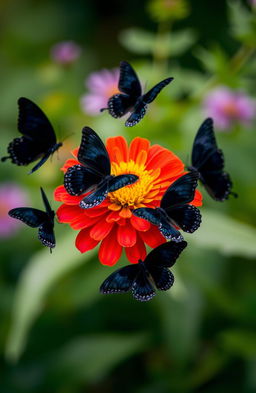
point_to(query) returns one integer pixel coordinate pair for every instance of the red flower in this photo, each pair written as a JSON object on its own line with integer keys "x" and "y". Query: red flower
{"x": 112, "y": 223}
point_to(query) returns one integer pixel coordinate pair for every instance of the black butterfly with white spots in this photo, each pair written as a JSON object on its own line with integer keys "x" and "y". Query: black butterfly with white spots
{"x": 93, "y": 172}
{"x": 208, "y": 163}
{"x": 175, "y": 210}
{"x": 131, "y": 98}
{"x": 143, "y": 278}
{"x": 38, "y": 140}
{"x": 35, "y": 218}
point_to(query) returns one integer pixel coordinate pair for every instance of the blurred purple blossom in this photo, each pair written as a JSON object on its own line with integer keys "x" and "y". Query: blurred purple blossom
{"x": 228, "y": 107}
{"x": 11, "y": 196}
{"x": 101, "y": 85}
{"x": 66, "y": 52}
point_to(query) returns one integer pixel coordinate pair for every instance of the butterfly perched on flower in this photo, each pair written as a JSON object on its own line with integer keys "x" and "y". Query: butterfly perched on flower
{"x": 175, "y": 210}
{"x": 131, "y": 98}
{"x": 35, "y": 218}
{"x": 146, "y": 276}
{"x": 208, "y": 163}
{"x": 94, "y": 172}
{"x": 38, "y": 140}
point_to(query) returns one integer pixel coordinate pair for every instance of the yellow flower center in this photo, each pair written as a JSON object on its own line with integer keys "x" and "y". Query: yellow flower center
{"x": 133, "y": 195}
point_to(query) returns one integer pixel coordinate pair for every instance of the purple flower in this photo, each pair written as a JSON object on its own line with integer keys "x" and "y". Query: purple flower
{"x": 65, "y": 52}
{"x": 228, "y": 107}
{"x": 101, "y": 85}
{"x": 11, "y": 196}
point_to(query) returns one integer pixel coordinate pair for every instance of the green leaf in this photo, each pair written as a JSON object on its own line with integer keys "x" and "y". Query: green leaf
{"x": 240, "y": 342}
{"x": 243, "y": 23}
{"x": 163, "y": 45}
{"x": 92, "y": 357}
{"x": 41, "y": 273}
{"x": 137, "y": 40}
{"x": 226, "y": 234}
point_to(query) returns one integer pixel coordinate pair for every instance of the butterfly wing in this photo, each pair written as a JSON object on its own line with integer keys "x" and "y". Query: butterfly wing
{"x": 138, "y": 113}
{"x": 33, "y": 123}
{"x": 120, "y": 104}
{"x": 218, "y": 185}
{"x": 209, "y": 161}
{"x": 181, "y": 191}
{"x": 46, "y": 234}
{"x": 79, "y": 179}
{"x": 204, "y": 144}
{"x": 117, "y": 182}
{"x": 159, "y": 218}
{"x": 187, "y": 217}
{"x": 152, "y": 93}
{"x": 96, "y": 197}
{"x": 121, "y": 280}
{"x": 142, "y": 289}
{"x": 164, "y": 255}
{"x": 128, "y": 81}
{"x": 23, "y": 151}
{"x": 30, "y": 216}
{"x": 92, "y": 152}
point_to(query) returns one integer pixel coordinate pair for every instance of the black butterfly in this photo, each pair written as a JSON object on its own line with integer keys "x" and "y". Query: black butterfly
{"x": 141, "y": 278}
{"x": 35, "y": 218}
{"x": 38, "y": 140}
{"x": 94, "y": 172}
{"x": 208, "y": 162}
{"x": 131, "y": 99}
{"x": 174, "y": 209}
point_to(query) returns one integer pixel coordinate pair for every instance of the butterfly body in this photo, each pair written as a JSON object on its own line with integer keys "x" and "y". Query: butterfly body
{"x": 38, "y": 138}
{"x": 175, "y": 209}
{"x": 208, "y": 162}
{"x": 93, "y": 173}
{"x": 131, "y": 98}
{"x": 35, "y": 218}
{"x": 143, "y": 278}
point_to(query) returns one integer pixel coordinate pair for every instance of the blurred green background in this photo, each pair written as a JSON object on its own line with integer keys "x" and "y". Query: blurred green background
{"x": 57, "y": 333}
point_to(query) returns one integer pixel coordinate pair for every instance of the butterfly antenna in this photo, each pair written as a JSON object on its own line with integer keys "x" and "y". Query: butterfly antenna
{"x": 3, "y": 159}
{"x": 103, "y": 109}
{"x": 234, "y": 194}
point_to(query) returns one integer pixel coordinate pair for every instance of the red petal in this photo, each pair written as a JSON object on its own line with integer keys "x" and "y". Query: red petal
{"x": 164, "y": 158}
{"x": 153, "y": 237}
{"x": 138, "y": 251}
{"x": 126, "y": 235}
{"x": 60, "y": 194}
{"x": 70, "y": 162}
{"x": 117, "y": 149}
{"x": 66, "y": 213}
{"x": 84, "y": 242}
{"x": 84, "y": 221}
{"x": 100, "y": 230}
{"x": 140, "y": 224}
{"x": 110, "y": 250}
{"x": 113, "y": 216}
{"x": 198, "y": 200}
{"x": 136, "y": 146}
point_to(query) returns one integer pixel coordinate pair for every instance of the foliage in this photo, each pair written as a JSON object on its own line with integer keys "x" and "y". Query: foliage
{"x": 58, "y": 334}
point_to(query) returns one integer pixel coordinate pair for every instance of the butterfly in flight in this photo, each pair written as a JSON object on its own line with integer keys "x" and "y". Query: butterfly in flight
{"x": 146, "y": 276}
{"x": 35, "y": 218}
{"x": 131, "y": 98}
{"x": 38, "y": 140}
{"x": 174, "y": 210}
{"x": 93, "y": 172}
{"x": 208, "y": 163}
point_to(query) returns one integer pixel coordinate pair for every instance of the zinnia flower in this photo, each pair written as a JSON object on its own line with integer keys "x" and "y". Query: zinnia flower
{"x": 102, "y": 85}
{"x": 112, "y": 223}
{"x": 228, "y": 107}
{"x": 65, "y": 53}
{"x": 11, "y": 196}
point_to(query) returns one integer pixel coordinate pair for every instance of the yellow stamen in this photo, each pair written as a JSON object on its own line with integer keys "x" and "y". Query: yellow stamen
{"x": 136, "y": 194}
